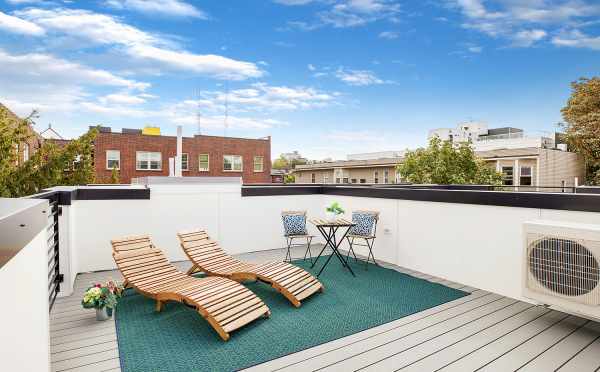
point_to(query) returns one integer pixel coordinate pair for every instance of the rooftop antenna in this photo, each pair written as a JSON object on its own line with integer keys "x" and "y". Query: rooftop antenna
{"x": 226, "y": 123}
{"x": 198, "y": 113}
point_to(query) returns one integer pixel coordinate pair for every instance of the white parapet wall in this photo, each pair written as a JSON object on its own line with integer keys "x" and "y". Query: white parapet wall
{"x": 24, "y": 318}
{"x": 477, "y": 245}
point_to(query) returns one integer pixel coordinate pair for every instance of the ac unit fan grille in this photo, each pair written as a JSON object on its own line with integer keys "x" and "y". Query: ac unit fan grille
{"x": 563, "y": 266}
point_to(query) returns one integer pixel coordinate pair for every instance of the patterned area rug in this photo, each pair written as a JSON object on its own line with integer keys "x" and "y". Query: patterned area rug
{"x": 178, "y": 339}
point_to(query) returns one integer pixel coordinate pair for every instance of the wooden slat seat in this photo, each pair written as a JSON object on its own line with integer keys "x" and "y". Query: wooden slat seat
{"x": 224, "y": 303}
{"x": 207, "y": 256}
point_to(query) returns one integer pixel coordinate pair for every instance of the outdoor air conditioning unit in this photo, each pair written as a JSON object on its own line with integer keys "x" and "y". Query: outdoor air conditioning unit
{"x": 561, "y": 266}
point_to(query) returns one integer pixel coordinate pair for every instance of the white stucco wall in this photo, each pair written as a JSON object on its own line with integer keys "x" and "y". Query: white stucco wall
{"x": 25, "y": 342}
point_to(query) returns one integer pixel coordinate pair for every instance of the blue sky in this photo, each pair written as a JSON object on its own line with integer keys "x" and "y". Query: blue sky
{"x": 326, "y": 77}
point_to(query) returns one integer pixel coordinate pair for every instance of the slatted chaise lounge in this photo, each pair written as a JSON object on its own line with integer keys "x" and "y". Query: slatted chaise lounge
{"x": 225, "y": 304}
{"x": 207, "y": 256}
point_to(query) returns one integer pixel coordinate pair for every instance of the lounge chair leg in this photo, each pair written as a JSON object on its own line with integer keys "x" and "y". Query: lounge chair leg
{"x": 159, "y": 306}
{"x": 267, "y": 314}
{"x": 192, "y": 270}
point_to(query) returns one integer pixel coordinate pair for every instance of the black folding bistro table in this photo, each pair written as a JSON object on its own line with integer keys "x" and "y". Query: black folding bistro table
{"x": 328, "y": 229}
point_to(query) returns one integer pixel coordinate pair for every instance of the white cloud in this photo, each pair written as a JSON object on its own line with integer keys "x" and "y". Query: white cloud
{"x": 527, "y": 38}
{"x": 266, "y": 98}
{"x": 347, "y": 13}
{"x": 161, "y": 7}
{"x": 577, "y": 39}
{"x": 123, "y": 98}
{"x": 54, "y": 85}
{"x": 293, "y": 2}
{"x": 19, "y": 26}
{"x": 352, "y": 13}
{"x": 389, "y": 35}
{"x": 45, "y": 69}
{"x": 475, "y": 49}
{"x": 101, "y": 29}
{"x": 524, "y": 22}
{"x": 358, "y": 77}
{"x": 311, "y": 67}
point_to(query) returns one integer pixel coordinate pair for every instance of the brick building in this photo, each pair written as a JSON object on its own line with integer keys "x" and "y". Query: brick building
{"x": 143, "y": 153}
{"x": 34, "y": 140}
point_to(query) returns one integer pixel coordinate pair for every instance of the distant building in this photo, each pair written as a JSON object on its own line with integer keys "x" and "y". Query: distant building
{"x": 376, "y": 155}
{"x": 278, "y": 175}
{"x": 145, "y": 152}
{"x": 484, "y": 139}
{"x": 523, "y": 160}
{"x": 50, "y": 133}
{"x": 349, "y": 171}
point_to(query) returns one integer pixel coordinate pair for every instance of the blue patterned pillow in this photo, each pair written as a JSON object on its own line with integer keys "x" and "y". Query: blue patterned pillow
{"x": 364, "y": 224}
{"x": 294, "y": 224}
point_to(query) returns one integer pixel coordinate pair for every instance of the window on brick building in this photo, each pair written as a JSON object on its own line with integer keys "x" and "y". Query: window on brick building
{"x": 232, "y": 163}
{"x": 185, "y": 163}
{"x": 313, "y": 178}
{"x": 113, "y": 159}
{"x": 145, "y": 160}
{"x": 25, "y": 152}
{"x": 386, "y": 176}
{"x": 259, "y": 163}
{"x": 203, "y": 162}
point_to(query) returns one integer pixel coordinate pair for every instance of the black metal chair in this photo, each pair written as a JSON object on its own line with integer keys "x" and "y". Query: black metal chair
{"x": 294, "y": 227}
{"x": 365, "y": 229}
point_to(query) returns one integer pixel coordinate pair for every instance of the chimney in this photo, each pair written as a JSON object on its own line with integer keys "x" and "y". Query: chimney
{"x": 179, "y": 151}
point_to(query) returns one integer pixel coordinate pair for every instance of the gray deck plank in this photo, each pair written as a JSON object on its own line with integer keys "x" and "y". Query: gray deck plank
{"x": 84, "y": 351}
{"x": 77, "y": 344}
{"x": 291, "y": 361}
{"x": 366, "y": 351}
{"x": 563, "y": 351}
{"x": 402, "y": 353}
{"x": 478, "y": 357}
{"x": 436, "y": 355}
{"x": 85, "y": 360}
{"x": 522, "y": 354}
{"x": 587, "y": 359}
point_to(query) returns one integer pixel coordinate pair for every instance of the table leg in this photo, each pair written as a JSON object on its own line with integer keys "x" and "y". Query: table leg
{"x": 340, "y": 257}
{"x": 327, "y": 237}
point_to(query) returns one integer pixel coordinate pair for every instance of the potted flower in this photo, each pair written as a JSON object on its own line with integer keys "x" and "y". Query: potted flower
{"x": 103, "y": 298}
{"x": 333, "y": 211}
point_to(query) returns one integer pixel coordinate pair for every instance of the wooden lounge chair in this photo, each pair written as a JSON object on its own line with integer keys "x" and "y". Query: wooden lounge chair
{"x": 207, "y": 256}
{"x": 225, "y": 304}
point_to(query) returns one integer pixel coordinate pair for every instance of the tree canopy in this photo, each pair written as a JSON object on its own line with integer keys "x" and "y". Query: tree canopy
{"x": 282, "y": 163}
{"x": 444, "y": 163}
{"x": 49, "y": 166}
{"x": 582, "y": 129}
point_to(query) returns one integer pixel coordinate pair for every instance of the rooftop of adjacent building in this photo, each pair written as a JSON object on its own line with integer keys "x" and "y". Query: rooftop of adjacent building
{"x": 156, "y": 132}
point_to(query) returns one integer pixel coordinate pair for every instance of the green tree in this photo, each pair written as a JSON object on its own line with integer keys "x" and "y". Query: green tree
{"x": 443, "y": 163}
{"x": 289, "y": 178}
{"x": 582, "y": 129}
{"x": 281, "y": 163}
{"x": 115, "y": 177}
{"x": 49, "y": 166}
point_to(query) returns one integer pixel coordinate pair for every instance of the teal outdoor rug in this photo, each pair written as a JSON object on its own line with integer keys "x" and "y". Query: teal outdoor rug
{"x": 179, "y": 339}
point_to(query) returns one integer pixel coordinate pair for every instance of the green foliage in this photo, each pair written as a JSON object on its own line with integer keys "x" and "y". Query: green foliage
{"x": 335, "y": 208}
{"x": 289, "y": 178}
{"x": 115, "y": 177}
{"x": 582, "y": 129}
{"x": 50, "y": 166}
{"x": 443, "y": 163}
{"x": 282, "y": 163}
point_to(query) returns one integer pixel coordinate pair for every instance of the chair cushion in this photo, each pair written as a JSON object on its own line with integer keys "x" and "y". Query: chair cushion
{"x": 364, "y": 224}
{"x": 294, "y": 224}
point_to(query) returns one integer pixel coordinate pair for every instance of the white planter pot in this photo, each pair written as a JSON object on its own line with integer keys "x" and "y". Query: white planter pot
{"x": 102, "y": 314}
{"x": 330, "y": 216}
